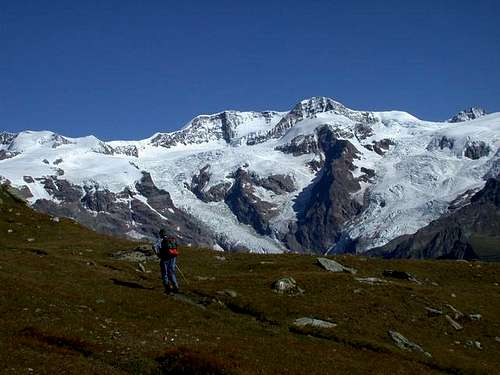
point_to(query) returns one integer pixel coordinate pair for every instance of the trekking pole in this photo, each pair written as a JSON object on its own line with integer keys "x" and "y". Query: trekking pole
{"x": 184, "y": 277}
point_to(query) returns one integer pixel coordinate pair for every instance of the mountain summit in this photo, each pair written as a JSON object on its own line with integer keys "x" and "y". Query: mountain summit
{"x": 318, "y": 178}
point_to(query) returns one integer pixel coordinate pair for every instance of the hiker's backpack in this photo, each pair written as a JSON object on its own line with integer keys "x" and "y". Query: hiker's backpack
{"x": 168, "y": 247}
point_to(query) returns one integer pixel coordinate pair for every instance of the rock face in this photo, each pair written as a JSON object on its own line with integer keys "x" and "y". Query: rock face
{"x": 219, "y": 127}
{"x": 463, "y": 234}
{"x": 471, "y": 113}
{"x": 247, "y": 206}
{"x": 144, "y": 212}
{"x": 328, "y": 202}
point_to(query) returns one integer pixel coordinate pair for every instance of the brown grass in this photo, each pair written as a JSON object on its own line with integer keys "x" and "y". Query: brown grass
{"x": 67, "y": 306}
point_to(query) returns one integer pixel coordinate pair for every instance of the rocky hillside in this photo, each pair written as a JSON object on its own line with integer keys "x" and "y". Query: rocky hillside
{"x": 73, "y": 301}
{"x": 469, "y": 232}
{"x": 319, "y": 178}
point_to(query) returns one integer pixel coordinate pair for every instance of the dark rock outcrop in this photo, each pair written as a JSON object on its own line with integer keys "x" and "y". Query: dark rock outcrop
{"x": 4, "y": 154}
{"x": 470, "y": 232}
{"x": 248, "y": 207}
{"x": 327, "y": 203}
{"x": 468, "y": 114}
{"x": 143, "y": 213}
{"x": 476, "y": 149}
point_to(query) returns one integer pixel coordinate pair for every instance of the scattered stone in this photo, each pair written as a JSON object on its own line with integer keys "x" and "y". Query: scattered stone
{"x": 302, "y": 322}
{"x": 9, "y": 231}
{"x": 433, "y": 312}
{"x": 266, "y": 262}
{"x": 371, "y": 280}
{"x": 402, "y": 275}
{"x": 453, "y": 323}
{"x": 45, "y": 161}
{"x": 55, "y": 219}
{"x": 204, "y": 278}
{"x": 287, "y": 285}
{"x": 220, "y": 258}
{"x": 228, "y": 292}
{"x": 30, "y": 239}
{"x": 141, "y": 267}
{"x": 497, "y": 339}
{"x": 333, "y": 266}
{"x": 475, "y": 316}
{"x": 405, "y": 344}
{"x": 458, "y": 315}
{"x": 453, "y": 295}
{"x": 357, "y": 291}
{"x": 473, "y": 344}
{"x": 100, "y": 300}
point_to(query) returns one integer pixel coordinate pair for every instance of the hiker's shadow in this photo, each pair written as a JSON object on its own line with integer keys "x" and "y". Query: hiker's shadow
{"x": 129, "y": 284}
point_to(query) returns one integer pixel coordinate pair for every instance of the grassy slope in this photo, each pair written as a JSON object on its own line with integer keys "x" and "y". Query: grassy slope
{"x": 66, "y": 306}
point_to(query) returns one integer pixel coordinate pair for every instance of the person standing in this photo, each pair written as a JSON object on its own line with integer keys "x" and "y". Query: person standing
{"x": 166, "y": 249}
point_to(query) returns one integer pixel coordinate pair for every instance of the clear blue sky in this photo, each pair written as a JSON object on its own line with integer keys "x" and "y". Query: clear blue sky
{"x": 126, "y": 69}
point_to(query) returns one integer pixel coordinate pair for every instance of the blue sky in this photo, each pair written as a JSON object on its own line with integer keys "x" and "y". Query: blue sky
{"x": 126, "y": 69}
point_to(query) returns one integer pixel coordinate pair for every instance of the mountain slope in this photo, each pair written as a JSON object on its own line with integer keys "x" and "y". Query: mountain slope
{"x": 471, "y": 232}
{"x": 73, "y": 301}
{"x": 263, "y": 181}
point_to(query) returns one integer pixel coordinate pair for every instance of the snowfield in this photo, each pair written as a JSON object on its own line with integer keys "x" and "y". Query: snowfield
{"x": 426, "y": 167}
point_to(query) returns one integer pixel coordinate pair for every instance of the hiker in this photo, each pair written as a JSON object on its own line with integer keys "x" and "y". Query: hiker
{"x": 166, "y": 249}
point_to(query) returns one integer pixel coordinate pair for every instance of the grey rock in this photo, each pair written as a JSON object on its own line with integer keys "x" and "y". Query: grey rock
{"x": 287, "y": 285}
{"x": 473, "y": 344}
{"x": 433, "y": 312}
{"x": 453, "y": 323}
{"x": 475, "y": 316}
{"x": 318, "y": 323}
{"x": 228, "y": 292}
{"x": 57, "y": 161}
{"x": 371, "y": 280}
{"x": 220, "y": 258}
{"x": 141, "y": 267}
{"x": 405, "y": 344}
{"x": 457, "y": 314}
{"x": 402, "y": 275}
{"x": 333, "y": 266}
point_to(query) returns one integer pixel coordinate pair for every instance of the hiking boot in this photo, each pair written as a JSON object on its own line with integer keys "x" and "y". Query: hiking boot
{"x": 175, "y": 289}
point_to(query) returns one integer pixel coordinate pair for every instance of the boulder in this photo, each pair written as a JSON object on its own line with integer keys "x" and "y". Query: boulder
{"x": 405, "y": 344}
{"x": 333, "y": 266}
{"x": 402, "y": 275}
{"x": 287, "y": 285}
{"x": 303, "y": 322}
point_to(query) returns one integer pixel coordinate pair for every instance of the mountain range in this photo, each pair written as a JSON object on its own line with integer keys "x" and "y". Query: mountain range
{"x": 319, "y": 178}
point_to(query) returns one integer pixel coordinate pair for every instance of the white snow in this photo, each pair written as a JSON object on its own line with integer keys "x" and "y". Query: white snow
{"x": 413, "y": 185}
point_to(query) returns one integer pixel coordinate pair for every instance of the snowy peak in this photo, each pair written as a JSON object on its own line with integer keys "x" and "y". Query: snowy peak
{"x": 471, "y": 113}
{"x": 227, "y": 126}
{"x": 311, "y": 108}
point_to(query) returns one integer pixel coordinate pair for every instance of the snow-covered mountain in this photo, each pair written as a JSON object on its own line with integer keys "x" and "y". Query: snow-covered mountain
{"x": 320, "y": 177}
